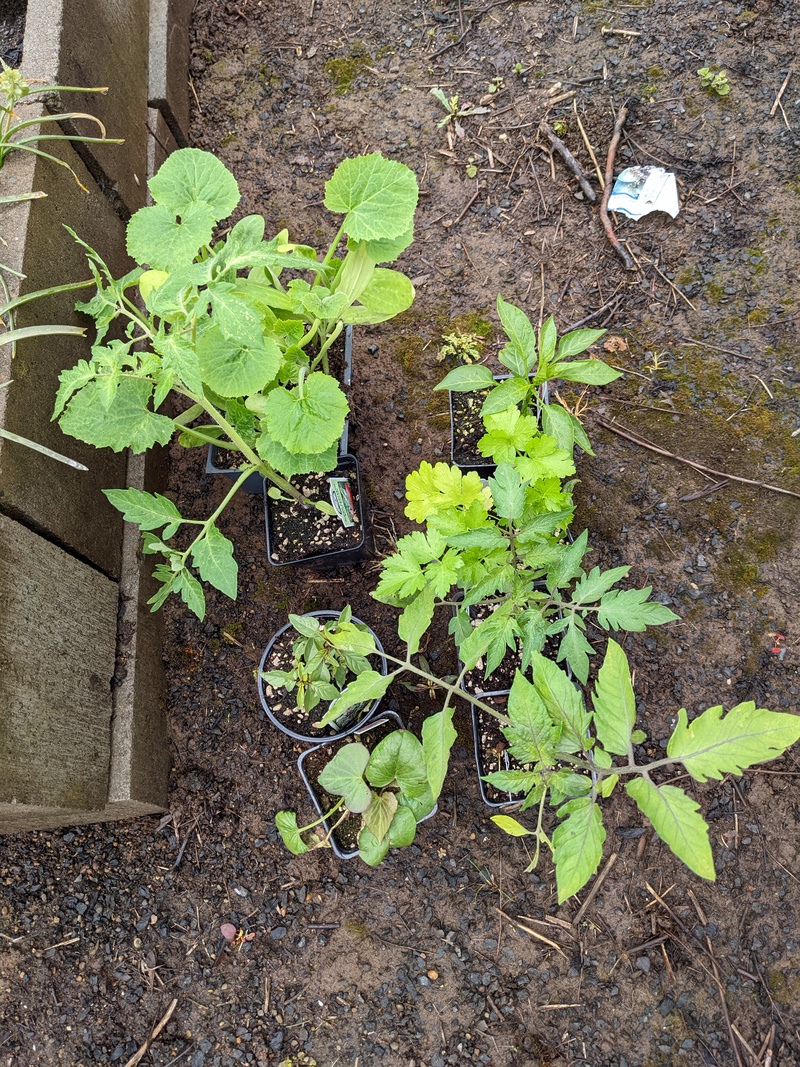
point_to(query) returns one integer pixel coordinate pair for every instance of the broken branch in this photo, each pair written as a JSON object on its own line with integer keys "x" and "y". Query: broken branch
{"x": 569, "y": 159}
{"x": 623, "y": 253}
{"x": 691, "y": 462}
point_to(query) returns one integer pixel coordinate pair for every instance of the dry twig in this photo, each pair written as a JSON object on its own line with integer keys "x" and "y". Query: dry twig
{"x": 569, "y": 159}
{"x": 691, "y": 462}
{"x": 781, "y": 91}
{"x": 137, "y": 1056}
{"x": 612, "y": 859}
{"x": 622, "y": 252}
{"x": 533, "y": 933}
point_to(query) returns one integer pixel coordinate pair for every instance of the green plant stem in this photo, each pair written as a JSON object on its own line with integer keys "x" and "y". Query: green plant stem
{"x": 323, "y": 352}
{"x": 326, "y": 839}
{"x": 329, "y": 254}
{"x": 452, "y": 690}
{"x": 241, "y": 446}
{"x": 322, "y": 818}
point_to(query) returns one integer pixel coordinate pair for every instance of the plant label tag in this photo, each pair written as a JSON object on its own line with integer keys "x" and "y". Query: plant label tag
{"x": 342, "y": 500}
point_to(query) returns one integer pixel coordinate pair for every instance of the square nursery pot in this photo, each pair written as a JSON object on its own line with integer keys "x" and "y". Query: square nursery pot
{"x": 466, "y": 429}
{"x": 298, "y": 725}
{"x": 220, "y": 461}
{"x": 310, "y": 764}
{"x": 297, "y": 533}
{"x": 491, "y": 752}
{"x": 491, "y": 746}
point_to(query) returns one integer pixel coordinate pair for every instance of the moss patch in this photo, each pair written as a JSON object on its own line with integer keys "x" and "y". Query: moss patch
{"x": 344, "y": 70}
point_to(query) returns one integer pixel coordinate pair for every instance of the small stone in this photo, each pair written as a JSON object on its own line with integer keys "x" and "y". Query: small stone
{"x": 433, "y": 975}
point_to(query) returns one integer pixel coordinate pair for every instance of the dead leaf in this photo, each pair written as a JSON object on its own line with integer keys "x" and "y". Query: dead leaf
{"x": 615, "y": 344}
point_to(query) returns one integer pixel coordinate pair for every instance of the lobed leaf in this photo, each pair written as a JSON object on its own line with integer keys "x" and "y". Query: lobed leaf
{"x": 148, "y": 510}
{"x": 189, "y": 176}
{"x": 377, "y": 196}
{"x": 712, "y": 746}
{"x": 310, "y": 419}
{"x": 629, "y": 609}
{"x": 128, "y": 423}
{"x": 213, "y": 557}
{"x": 415, "y": 620}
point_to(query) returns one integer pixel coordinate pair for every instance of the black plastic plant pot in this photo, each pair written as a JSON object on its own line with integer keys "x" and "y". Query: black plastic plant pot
{"x": 299, "y": 533}
{"x": 466, "y": 429}
{"x": 491, "y": 751}
{"x": 344, "y": 839}
{"x": 277, "y": 656}
{"x": 216, "y": 464}
{"x": 320, "y": 755}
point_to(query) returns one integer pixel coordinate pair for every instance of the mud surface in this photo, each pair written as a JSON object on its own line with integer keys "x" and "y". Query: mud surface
{"x": 450, "y": 953}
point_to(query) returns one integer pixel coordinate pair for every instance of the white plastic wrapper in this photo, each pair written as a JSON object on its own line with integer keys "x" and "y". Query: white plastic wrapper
{"x": 640, "y": 190}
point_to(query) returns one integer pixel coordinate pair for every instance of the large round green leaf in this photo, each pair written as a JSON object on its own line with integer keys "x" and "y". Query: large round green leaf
{"x": 308, "y": 419}
{"x": 156, "y": 237}
{"x": 190, "y": 176}
{"x": 291, "y": 463}
{"x": 377, "y": 195}
{"x": 231, "y": 369}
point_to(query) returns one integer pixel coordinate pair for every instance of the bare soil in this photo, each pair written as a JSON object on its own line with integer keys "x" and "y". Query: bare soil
{"x": 450, "y": 952}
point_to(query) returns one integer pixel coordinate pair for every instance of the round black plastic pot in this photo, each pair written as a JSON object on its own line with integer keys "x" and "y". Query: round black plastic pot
{"x": 386, "y": 718}
{"x": 356, "y": 717}
{"x": 346, "y": 548}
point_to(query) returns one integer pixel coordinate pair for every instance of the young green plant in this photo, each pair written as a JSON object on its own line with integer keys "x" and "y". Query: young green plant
{"x": 27, "y": 134}
{"x": 392, "y": 788}
{"x": 245, "y": 349}
{"x": 534, "y": 362}
{"x": 573, "y": 758}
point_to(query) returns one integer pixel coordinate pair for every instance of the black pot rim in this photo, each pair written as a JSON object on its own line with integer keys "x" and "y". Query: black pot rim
{"x": 316, "y": 739}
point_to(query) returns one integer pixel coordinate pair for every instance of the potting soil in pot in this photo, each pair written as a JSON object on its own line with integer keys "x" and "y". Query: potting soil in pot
{"x": 468, "y": 429}
{"x": 283, "y": 706}
{"x": 298, "y": 532}
{"x": 492, "y": 749}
